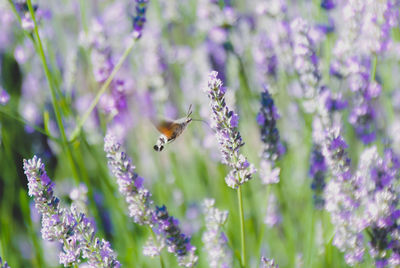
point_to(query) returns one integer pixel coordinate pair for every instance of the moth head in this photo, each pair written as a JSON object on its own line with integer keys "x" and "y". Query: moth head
{"x": 158, "y": 148}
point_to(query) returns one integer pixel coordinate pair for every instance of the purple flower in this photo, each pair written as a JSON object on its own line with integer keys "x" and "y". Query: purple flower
{"x": 214, "y": 239}
{"x": 115, "y": 102}
{"x": 225, "y": 122}
{"x": 317, "y": 172}
{"x": 177, "y": 242}
{"x": 268, "y": 263}
{"x": 266, "y": 118}
{"x": 68, "y": 226}
{"x": 217, "y": 53}
{"x": 273, "y": 216}
{"x": 273, "y": 148}
{"x": 140, "y": 18}
{"x": 363, "y": 115}
{"x": 142, "y": 210}
{"x": 328, "y": 4}
{"x": 266, "y": 59}
{"x": 130, "y": 184}
{"x": 363, "y": 203}
{"x": 305, "y": 62}
{"x": 3, "y": 264}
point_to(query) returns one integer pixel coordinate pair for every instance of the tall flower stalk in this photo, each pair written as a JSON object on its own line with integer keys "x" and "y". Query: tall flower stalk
{"x": 225, "y": 124}
{"x": 3, "y": 264}
{"x": 72, "y": 228}
{"x": 214, "y": 239}
{"x": 50, "y": 80}
{"x": 273, "y": 148}
{"x": 138, "y": 25}
{"x": 142, "y": 210}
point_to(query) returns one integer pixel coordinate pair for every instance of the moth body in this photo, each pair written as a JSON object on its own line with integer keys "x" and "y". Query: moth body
{"x": 170, "y": 130}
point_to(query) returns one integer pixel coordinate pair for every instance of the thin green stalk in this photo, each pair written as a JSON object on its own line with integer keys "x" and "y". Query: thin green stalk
{"x": 82, "y": 9}
{"x": 261, "y": 237}
{"x": 25, "y": 122}
{"x": 374, "y": 63}
{"x": 310, "y": 243}
{"x": 155, "y": 241}
{"x": 240, "y": 203}
{"x": 53, "y": 93}
{"x": 104, "y": 87}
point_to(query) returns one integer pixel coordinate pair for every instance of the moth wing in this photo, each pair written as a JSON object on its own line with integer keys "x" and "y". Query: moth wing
{"x": 167, "y": 127}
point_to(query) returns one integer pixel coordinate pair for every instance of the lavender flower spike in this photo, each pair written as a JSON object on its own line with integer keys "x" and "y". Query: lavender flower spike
{"x": 142, "y": 210}
{"x": 305, "y": 62}
{"x": 67, "y": 226}
{"x": 130, "y": 184}
{"x": 140, "y": 18}
{"x": 225, "y": 123}
{"x": 177, "y": 242}
{"x": 3, "y": 265}
{"x": 215, "y": 241}
{"x": 268, "y": 263}
{"x": 273, "y": 148}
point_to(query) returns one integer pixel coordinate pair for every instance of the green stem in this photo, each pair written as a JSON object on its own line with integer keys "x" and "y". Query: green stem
{"x": 53, "y": 93}
{"x": 104, "y": 87}
{"x": 310, "y": 243}
{"x": 83, "y": 16}
{"x": 155, "y": 242}
{"x": 263, "y": 225}
{"x": 374, "y": 63}
{"x": 240, "y": 203}
{"x": 25, "y": 122}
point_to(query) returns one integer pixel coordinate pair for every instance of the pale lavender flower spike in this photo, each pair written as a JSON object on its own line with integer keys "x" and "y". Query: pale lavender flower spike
{"x": 4, "y": 97}
{"x": 225, "y": 123}
{"x": 68, "y": 226}
{"x": 214, "y": 239}
{"x": 142, "y": 210}
{"x": 3, "y": 264}
{"x": 273, "y": 149}
{"x": 130, "y": 183}
{"x": 268, "y": 263}
{"x": 305, "y": 62}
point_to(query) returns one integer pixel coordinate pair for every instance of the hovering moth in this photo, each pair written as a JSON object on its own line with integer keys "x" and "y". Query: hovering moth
{"x": 171, "y": 129}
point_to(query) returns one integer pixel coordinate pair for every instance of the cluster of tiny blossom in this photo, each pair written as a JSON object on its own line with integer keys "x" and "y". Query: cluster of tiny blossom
{"x": 276, "y": 10}
{"x": 364, "y": 203}
{"x": 378, "y": 19}
{"x": 176, "y": 241}
{"x": 4, "y": 96}
{"x": 273, "y": 148}
{"x": 362, "y": 115}
{"x": 378, "y": 207}
{"x": 153, "y": 246}
{"x": 366, "y": 32}
{"x": 273, "y": 216}
{"x": 130, "y": 183}
{"x": 140, "y": 18}
{"x": 79, "y": 199}
{"x": 268, "y": 263}
{"x": 115, "y": 102}
{"x": 305, "y": 62}
{"x": 142, "y": 211}
{"x": 266, "y": 59}
{"x": 328, "y": 4}
{"x": 3, "y": 265}
{"x": 67, "y": 226}
{"x": 214, "y": 239}
{"x": 352, "y": 18}
{"x": 26, "y": 20}
{"x": 317, "y": 172}
{"x": 225, "y": 123}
